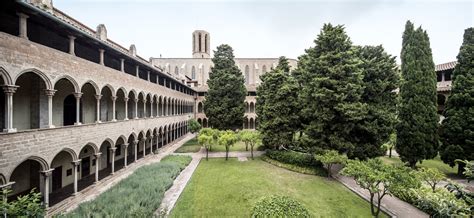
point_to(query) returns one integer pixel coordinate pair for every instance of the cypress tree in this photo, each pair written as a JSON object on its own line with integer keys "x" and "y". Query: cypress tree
{"x": 380, "y": 82}
{"x": 457, "y": 132}
{"x": 417, "y": 136}
{"x": 277, "y": 106}
{"x": 224, "y": 103}
{"x": 332, "y": 92}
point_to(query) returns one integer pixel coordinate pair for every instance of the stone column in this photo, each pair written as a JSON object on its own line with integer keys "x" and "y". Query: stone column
{"x": 151, "y": 108}
{"x": 144, "y": 147}
{"x": 112, "y": 157}
{"x": 46, "y": 174}
{"x": 126, "y": 108}
{"x": 125, "y": 148}
{"x": 76, "y": 165}
{"x": 97, "y": 164}
{"x": 122, "y": 64}
{"x": 101, "y": 56}
{"x": 114, "y": 98}
{"x": 144, "y": 107}
{"x": 97, "y": 97}
{"x": 136, "y": 148}
{"x": 148, "y": 76}
{"x": 23, "y": 25}
{"x": 136, "y": 108}
{"x": 71, "y": 45}
{"x": 78, "y": 108}
{"x": 9, "y": 91}
{"x": 137, "y": 71}
{"x": 50, "y": 94}
{"x": 158, "y": 108}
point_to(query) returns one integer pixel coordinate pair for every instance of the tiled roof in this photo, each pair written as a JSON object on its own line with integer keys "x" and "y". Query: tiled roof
{"x": 446, "y": 66}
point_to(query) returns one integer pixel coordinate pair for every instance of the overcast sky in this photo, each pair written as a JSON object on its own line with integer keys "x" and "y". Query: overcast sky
{"x": 271, "y": 28}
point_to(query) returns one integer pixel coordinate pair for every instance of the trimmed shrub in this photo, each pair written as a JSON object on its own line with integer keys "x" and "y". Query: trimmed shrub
{"x": 441, "y": 203}
{"x": 279, "y": 206}
{"x": 319, "y": 171}
{"x": 138, "y": 195}
{"x": 294, "y": 157}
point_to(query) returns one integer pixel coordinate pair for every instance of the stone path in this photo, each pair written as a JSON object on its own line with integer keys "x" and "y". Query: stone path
{"x": 391, "y": 205}
{"x": 93, "y": 191}
{"x": 173, "y": 193}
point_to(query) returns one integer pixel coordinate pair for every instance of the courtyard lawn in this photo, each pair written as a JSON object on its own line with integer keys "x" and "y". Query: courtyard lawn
{"x": 239, "y": 146}
{"x": 190, "y": 146}
{"x": 433, "y": 163}
{"x": 220, "y": 188}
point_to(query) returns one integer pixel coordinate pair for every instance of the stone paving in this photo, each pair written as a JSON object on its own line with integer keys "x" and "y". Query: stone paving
{"x": 93, "y": 191}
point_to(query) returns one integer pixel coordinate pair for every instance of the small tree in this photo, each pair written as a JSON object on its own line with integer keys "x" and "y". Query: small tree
{"x": 227, "y": 139}
{"x": 245, "y": 136}
{"x": 329, "y": 158}
{"x": 28, "y": 205}
{"x": 213, "y": 133}
{"x": 206, "y": 142}
{"x": 255, "y": 139}
{"x": 390, "y": 145}
{"x": 468, "y": 169}
{"x": 432, "y": 176}
{"x": 194, "y": 126}
{"x": 373, "y": 176}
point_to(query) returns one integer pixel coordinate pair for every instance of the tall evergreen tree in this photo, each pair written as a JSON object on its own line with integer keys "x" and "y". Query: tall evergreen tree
{"x": 332, "y": 92}
{"x": 224, "y": 103}
{"x": 277, "y": 106}
{"x": 380, "y": 81}
{"x": 457, "y": 132}
{"x": 417, "y": 136}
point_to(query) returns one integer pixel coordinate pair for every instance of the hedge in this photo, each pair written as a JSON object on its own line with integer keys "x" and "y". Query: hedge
{"x": 295, "y": 158}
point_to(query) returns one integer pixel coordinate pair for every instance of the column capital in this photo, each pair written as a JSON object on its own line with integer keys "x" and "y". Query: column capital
{"x": 114, "y": 98}
{"x": 98, "y": 97}
{"x": 125, "y": 145}
{"x": 151, "y": 101}
{"x": 135, "y": 100}
{"x": 9, "y": 89}
{"x": 22, "y": 15}
{"x": 112, "y": 149}
{"x": 47, "y": 173}
{"x": 7, "y": 185}
{"x": 78, "y": 94}
{"x": 71, "y": 37}
{"x": 76, "y": 162}
{"x": 144, "y": 101}
{"x": 101, "y": 50}
{"x": 97, "y": 155}
{"x": 50, "y": 92}
{"x": 136, "y": 142}
{"x": 125, "y": 99}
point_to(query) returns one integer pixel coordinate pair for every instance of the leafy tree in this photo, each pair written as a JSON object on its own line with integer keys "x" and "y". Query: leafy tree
{"x": 28, "y": 205}
{"x": 277, "y": 106}
{"x": 390, "y": 145}
{"x": 332, "y": 91}
{"x": 206, "y": 141}
{"x": 245, "y": 136}
{"x": 380, "y": 80}
{"x": 431, "y": 176}
{"x": 457, "y": 132}
{"x": 227, "y": 139}
{"x": 194, "y": 126}
{"x": 224, "y": 101}
{"x": 255, "y": 139}
{"x": 417, "y": 131}
{"x": 329, "y": 158}
{"x": 374, "y": 176}
{"x": 213, "y": 133}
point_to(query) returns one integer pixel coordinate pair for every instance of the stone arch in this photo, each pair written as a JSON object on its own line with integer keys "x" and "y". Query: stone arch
{"x": 148, "y": 105}
{"x": 26, "y": 175}
{"x": 3, "y": 180}
{"x": 122, "y": 90}
{"x": 247, "y": 108}
{"x": 110, "y": 87}
{"x": 71, "y": 80}
{"x": 92, "y": 145}
{"x": 65, "y": 103}
{"x": 252, "y": 107}
{"x": 106, "y": 104}
{"x": 121, "y": 137}
{"x": 61, "y": 163}
{"x": 46, "y": 80}
{"x": 5, "y": 76}
{"x": 69, "y": 151}
{"x": 42, "y": 162}
{"x": 93, "y": 84}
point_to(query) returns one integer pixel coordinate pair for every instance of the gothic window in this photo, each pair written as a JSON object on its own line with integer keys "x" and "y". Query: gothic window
{"x": 199, "y": 42}
{"x": 193, "y": 73}
{"x": 205, "y": 43}
{"x": 247, "y": 74}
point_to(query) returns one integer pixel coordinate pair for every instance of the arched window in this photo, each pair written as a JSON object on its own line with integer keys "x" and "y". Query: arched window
{"x": 176, "y": 70}
{"x": 205, "y": 43}
{"x": 193, "y": 73}
{"x": 199, "y": 42}
{"x": 264, "y": 69}
{"x": 247, "y": 74}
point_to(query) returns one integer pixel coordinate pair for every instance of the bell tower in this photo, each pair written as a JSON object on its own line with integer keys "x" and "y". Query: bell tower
{"x": 201, "y": 44}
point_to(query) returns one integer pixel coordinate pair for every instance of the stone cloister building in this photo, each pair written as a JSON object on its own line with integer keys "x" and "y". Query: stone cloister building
{"x": 196, "y": 71}
{"x": 75, "y": 106}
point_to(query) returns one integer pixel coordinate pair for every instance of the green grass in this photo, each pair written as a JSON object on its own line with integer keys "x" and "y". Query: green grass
{"x": 220, "y": 188}
{"x": 305, "y": 170}
{"x": 138, "y": 195}
{"x": 191, "y": 146}
{"x": 433, "y": 163}
{"x": 239, "y": 146}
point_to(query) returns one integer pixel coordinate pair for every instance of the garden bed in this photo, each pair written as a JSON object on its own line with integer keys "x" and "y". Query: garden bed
{"x": 191, "y": 146}
{"x": 138, "y": 195}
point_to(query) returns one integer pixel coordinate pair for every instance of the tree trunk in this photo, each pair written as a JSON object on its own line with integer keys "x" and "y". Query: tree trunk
{"x": 207, "y": 154}
{"x": 372, "y": 204}
{"x": 251, "y": 151}
{"x": 461, "y": 166}
{"x": 226, "y": 153}
{"x": 378, "y": 207}
{"x": 390, "y": 153}
{"x": 329, "y": 170}
{"x": 412, "y": 164}
{"x": 246, "y": 146}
